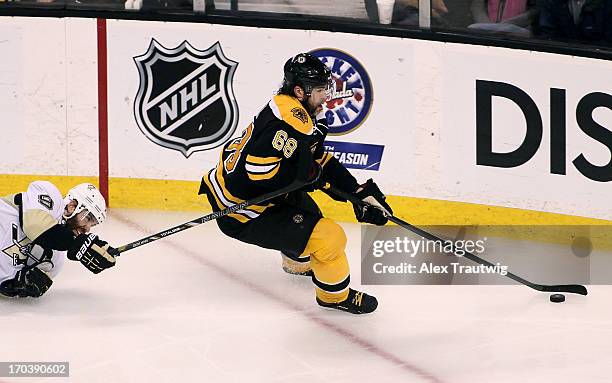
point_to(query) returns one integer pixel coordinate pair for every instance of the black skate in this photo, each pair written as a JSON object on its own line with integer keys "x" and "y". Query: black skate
{"x": 356, "y": 303}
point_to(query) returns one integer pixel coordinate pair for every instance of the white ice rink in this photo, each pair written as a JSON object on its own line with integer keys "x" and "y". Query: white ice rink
{"x": 200, "y": 307}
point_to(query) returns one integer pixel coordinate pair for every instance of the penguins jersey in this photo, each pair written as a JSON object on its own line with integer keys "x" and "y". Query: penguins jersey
{"x": 22, "y": 220}
{"x": 273, "y": 151}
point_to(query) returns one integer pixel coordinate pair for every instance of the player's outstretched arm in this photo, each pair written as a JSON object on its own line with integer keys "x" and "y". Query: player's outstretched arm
{"x": 93, "y": 253}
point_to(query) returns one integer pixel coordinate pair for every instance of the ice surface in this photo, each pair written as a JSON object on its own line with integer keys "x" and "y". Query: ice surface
{"x": 200, "y": 307}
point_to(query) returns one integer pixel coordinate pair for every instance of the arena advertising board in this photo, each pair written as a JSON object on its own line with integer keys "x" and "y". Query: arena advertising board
{"x": 437, "y": 120}
{"x": 529, "y": 129}
{"x": 179, "y": 91}
{"x": 347, "y": 108}
{"x": 356, "y": 156}
{"x": 48, "y": 96}
{"x": 351, "y": 97}
{"x": 185, "y": 98}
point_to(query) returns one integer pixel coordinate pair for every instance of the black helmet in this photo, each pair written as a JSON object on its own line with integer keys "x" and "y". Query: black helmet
{"x": 306, "y": 71}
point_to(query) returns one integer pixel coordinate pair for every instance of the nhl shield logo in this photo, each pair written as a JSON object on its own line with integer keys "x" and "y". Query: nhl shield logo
{"x": 186, "y": 100}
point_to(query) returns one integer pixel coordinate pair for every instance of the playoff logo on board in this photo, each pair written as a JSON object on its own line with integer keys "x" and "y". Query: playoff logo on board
{"x": 186, "y": 99}
{"x": 351, "y": 96}
{"x": 347, "y": 107}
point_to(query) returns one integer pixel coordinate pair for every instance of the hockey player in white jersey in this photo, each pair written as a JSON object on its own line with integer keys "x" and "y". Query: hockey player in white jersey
{"x": 39, "y": 228}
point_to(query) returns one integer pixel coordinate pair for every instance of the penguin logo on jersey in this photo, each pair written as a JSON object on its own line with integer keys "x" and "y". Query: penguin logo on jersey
{"x": 350, "y": 100}
{"x": 19, "y": 250}
{"x": 186, "y": 99}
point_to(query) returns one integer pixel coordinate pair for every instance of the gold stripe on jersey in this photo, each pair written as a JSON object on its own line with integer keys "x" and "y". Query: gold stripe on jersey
{"x": 230, "y": 197}
{"x": 223, "y": 198}
{"x": 221, "y": 182}
{"x": 290, "y": 110}
{"x": 263, "y": 176}
{"x": 227, "y": 198}
{"x": 36, "y": 222}
{"x": 212, "y": 190}
{"x": 261, "y": 168}
{"x": 262, "y": 160}
{"x": 221, "y": 205}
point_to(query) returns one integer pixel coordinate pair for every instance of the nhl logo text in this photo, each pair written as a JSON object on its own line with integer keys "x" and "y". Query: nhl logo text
{"x": 185, "y": 100}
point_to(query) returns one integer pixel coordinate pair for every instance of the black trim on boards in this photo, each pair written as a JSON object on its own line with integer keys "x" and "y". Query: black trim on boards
{"x": 303, "y": 22}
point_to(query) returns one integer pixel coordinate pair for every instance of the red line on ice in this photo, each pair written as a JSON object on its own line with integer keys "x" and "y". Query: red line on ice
{"x": 345, "y": 334}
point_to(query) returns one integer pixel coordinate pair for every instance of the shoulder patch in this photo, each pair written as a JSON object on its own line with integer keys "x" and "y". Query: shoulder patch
{"x": 300, "y": 114}
{"x": 291, "y": 111}
{"x": 46, "y": 201}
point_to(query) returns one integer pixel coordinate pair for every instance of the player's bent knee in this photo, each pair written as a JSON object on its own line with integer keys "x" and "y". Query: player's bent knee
{"x": 332, "y": 239}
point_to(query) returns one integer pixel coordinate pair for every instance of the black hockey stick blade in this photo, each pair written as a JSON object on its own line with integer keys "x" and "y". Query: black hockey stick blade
{"x": 210, "y": 217}
{"x": 573, "y": 289}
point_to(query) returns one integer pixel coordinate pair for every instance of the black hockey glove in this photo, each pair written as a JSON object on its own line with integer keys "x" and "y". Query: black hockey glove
{"x": 28, "y": 282}
{"x": 95, "y": 254}
{"x": 318, "y": 137}
{"x": 375, "y": 210}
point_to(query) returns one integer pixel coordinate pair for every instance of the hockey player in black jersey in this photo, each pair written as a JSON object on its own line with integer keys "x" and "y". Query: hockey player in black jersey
{"x": 282, "y": 144}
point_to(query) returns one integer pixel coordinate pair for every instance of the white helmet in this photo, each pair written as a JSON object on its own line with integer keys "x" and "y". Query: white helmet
{"x": 87, "y": 197}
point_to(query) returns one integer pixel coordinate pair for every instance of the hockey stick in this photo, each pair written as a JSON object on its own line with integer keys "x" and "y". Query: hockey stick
{"x": 574, "y": 289}
{"x": 212, "y": 216}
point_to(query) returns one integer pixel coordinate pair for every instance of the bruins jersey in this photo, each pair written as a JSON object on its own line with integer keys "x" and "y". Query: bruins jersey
{"x": 273, "y": 151}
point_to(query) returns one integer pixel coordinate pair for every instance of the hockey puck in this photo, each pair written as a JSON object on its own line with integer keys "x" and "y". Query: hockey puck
{"x": 557, "y": 298}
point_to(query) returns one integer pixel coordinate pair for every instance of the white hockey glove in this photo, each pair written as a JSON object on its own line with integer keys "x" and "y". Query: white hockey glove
{"x": 93, "y": 253}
